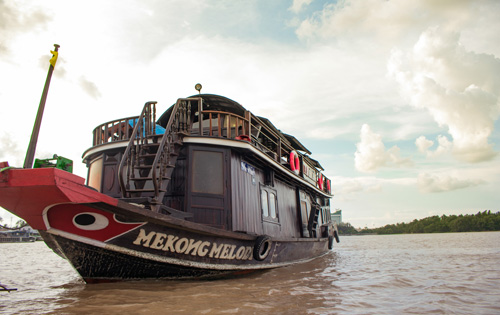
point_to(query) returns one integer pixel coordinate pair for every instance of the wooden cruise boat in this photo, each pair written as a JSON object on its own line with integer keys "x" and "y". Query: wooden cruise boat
{"x": 207, "y": 189}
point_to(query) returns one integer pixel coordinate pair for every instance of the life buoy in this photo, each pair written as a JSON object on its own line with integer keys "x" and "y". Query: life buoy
{"x": 294, "y": 162}
{"x": 320, "y": 182}
{"x": 244, "y": 137}
{"x": 262, "y": 247}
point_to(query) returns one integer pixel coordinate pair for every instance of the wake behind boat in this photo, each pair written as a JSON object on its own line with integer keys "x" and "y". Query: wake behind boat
{"x": 207, "y": 189}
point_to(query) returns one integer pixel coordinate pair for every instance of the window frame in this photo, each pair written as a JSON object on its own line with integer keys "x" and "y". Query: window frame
{"x": 269, "y": 191}
{"x": 196, "y": 154}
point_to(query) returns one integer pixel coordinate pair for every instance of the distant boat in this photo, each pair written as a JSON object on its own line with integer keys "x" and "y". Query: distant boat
{"x": 206, "y": 190}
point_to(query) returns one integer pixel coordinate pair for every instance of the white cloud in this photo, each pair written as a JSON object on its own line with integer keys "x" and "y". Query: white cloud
{"x": 423, "y": 146}
{"x": 350, "y": 188}
{"x": 388, "y": 21}
{"x": 460, "y": 89}
{"x": 442, "y": 182}
{"x": 372, "y": 155}
{"x": 89, "y": 87}
{"x": 298, "y": 4}
{"x": 9, "y": 150}
{"x": 15, "y": 20}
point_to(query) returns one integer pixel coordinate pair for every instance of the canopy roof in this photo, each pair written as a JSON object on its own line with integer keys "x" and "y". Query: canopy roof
{"x": 222, "y": 103}
{"x": 210, "y": 101}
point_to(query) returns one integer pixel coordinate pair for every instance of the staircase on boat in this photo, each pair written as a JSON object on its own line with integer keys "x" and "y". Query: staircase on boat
{"x": 150, "y": 157}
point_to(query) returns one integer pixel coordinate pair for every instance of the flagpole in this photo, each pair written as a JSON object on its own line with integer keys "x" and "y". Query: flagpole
{"x": 30, "y": 154}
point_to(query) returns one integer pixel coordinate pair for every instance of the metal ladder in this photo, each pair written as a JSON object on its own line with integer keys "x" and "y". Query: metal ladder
{"x": 313, "y": 218}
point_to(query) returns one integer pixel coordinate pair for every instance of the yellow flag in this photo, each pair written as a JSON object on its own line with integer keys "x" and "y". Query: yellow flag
{"x": 54, "y": 58}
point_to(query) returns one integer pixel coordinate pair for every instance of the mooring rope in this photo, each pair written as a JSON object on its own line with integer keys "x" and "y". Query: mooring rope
{"x": 4, "y": 288}
{"x": 13, "y": 229}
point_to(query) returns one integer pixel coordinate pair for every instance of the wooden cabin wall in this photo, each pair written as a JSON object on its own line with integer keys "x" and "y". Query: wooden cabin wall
{"x": 109, "y": 184}
{"x": 246, "y": 209}
{"x": 176, "y": 189}
{"x": 287, "y": 209}
{"x": 245, "y": 197}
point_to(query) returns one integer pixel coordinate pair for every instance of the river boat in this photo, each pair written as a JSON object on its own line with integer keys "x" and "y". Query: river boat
{"x": 206, "y": 190}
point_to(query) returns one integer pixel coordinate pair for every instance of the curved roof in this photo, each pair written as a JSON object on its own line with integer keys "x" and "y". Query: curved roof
{"x": 210, "y": 101}
{"x": 222, "y": 103}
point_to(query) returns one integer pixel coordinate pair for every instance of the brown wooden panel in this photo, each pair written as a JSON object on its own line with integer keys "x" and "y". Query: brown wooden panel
{"x": 245, "y": 196}
{"x": 209, "y": 205}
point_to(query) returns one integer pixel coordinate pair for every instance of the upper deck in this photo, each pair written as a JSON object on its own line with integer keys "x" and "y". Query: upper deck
{"x": 216, "y": 117}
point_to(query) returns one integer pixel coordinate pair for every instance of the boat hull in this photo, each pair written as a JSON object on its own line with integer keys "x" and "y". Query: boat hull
{"x": 106, "y": 239}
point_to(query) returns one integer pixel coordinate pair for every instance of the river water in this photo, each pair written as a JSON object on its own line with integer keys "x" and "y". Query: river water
{"x": 456, "y": 273}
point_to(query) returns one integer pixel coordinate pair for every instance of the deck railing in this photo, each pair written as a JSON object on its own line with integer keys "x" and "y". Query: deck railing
{"x": 115, "y": 130}
{"x": 219, "y": 124}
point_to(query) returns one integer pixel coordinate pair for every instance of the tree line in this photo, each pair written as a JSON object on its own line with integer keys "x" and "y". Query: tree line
{"x": 481, "y": 221}
{"x": 19, "y": 224}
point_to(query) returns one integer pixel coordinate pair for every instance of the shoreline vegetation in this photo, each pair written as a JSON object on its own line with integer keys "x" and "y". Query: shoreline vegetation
{"x": 479, "y": 222}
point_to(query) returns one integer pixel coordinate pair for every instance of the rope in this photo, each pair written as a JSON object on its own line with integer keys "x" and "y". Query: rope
{"x": 13, "y": 229}
{"x": 4, "y": 288}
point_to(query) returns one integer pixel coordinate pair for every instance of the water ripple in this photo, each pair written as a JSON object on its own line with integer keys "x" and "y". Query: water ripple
{"x": 398, "y": 274}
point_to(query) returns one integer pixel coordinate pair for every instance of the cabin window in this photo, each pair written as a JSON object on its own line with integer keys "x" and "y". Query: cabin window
{"x": 269, "y": 204}
{"x": 265, "y": 203}
{"x": 272, "y": 205}
{"x": 95, "y": 174}
{"x": 208, "y": 172}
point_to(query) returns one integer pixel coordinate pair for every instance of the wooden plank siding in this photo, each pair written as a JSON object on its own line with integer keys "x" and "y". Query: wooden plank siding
{"x": 287, "y": 209}
{"x": 246, "y": 202}
{"x": 245, "y": 198}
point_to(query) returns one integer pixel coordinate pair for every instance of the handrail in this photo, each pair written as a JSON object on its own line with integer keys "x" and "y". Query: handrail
{"x": 229, "y": 118}
{"x": 139, "y": 132}
{"x": 114, "y": 130}
{"x": 179, "y": 123}
{"x": 282, "y": 146}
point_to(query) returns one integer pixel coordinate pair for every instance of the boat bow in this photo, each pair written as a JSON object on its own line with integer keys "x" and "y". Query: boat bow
{"x": 29, "y": 193}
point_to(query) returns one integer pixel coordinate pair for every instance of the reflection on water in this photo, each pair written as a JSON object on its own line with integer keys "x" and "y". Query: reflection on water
{"x": 399, "y": 274}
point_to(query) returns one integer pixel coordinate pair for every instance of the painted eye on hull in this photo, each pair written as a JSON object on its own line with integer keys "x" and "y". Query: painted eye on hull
{"x": 90, "y": 221}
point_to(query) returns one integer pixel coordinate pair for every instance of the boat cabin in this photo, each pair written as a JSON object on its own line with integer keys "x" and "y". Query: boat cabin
{"x": 208, "y": 160}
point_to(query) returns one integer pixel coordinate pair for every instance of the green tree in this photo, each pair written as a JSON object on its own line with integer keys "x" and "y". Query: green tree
{"x": 346, "y": 228}
{"x": 481, "y": 221}
{"x": 20, "y": 224}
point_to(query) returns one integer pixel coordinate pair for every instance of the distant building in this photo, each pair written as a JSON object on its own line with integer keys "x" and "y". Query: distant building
{"x": 24, "y": 234}
{"x": 337, "y": 216}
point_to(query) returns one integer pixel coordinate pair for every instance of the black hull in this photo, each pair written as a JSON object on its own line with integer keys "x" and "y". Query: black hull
{"x": 143, "y": 250}
{"x": 95, "y": 264}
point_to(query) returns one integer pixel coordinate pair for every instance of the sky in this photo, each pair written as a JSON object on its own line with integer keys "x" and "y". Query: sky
{"x": 398, "y": 100}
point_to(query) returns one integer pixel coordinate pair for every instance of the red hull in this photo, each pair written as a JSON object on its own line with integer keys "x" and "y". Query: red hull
{"x": 29, "y": 192}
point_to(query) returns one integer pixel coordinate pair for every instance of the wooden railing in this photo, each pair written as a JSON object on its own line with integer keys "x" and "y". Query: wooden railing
{"x": 144, "y": 127}
{"x": 210, "y": 123}
{"x": 115, "y": 130}
{"x": 279, "y": 149}
{"x": 222, "y": 125}
{"x": 178, "y": 126}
